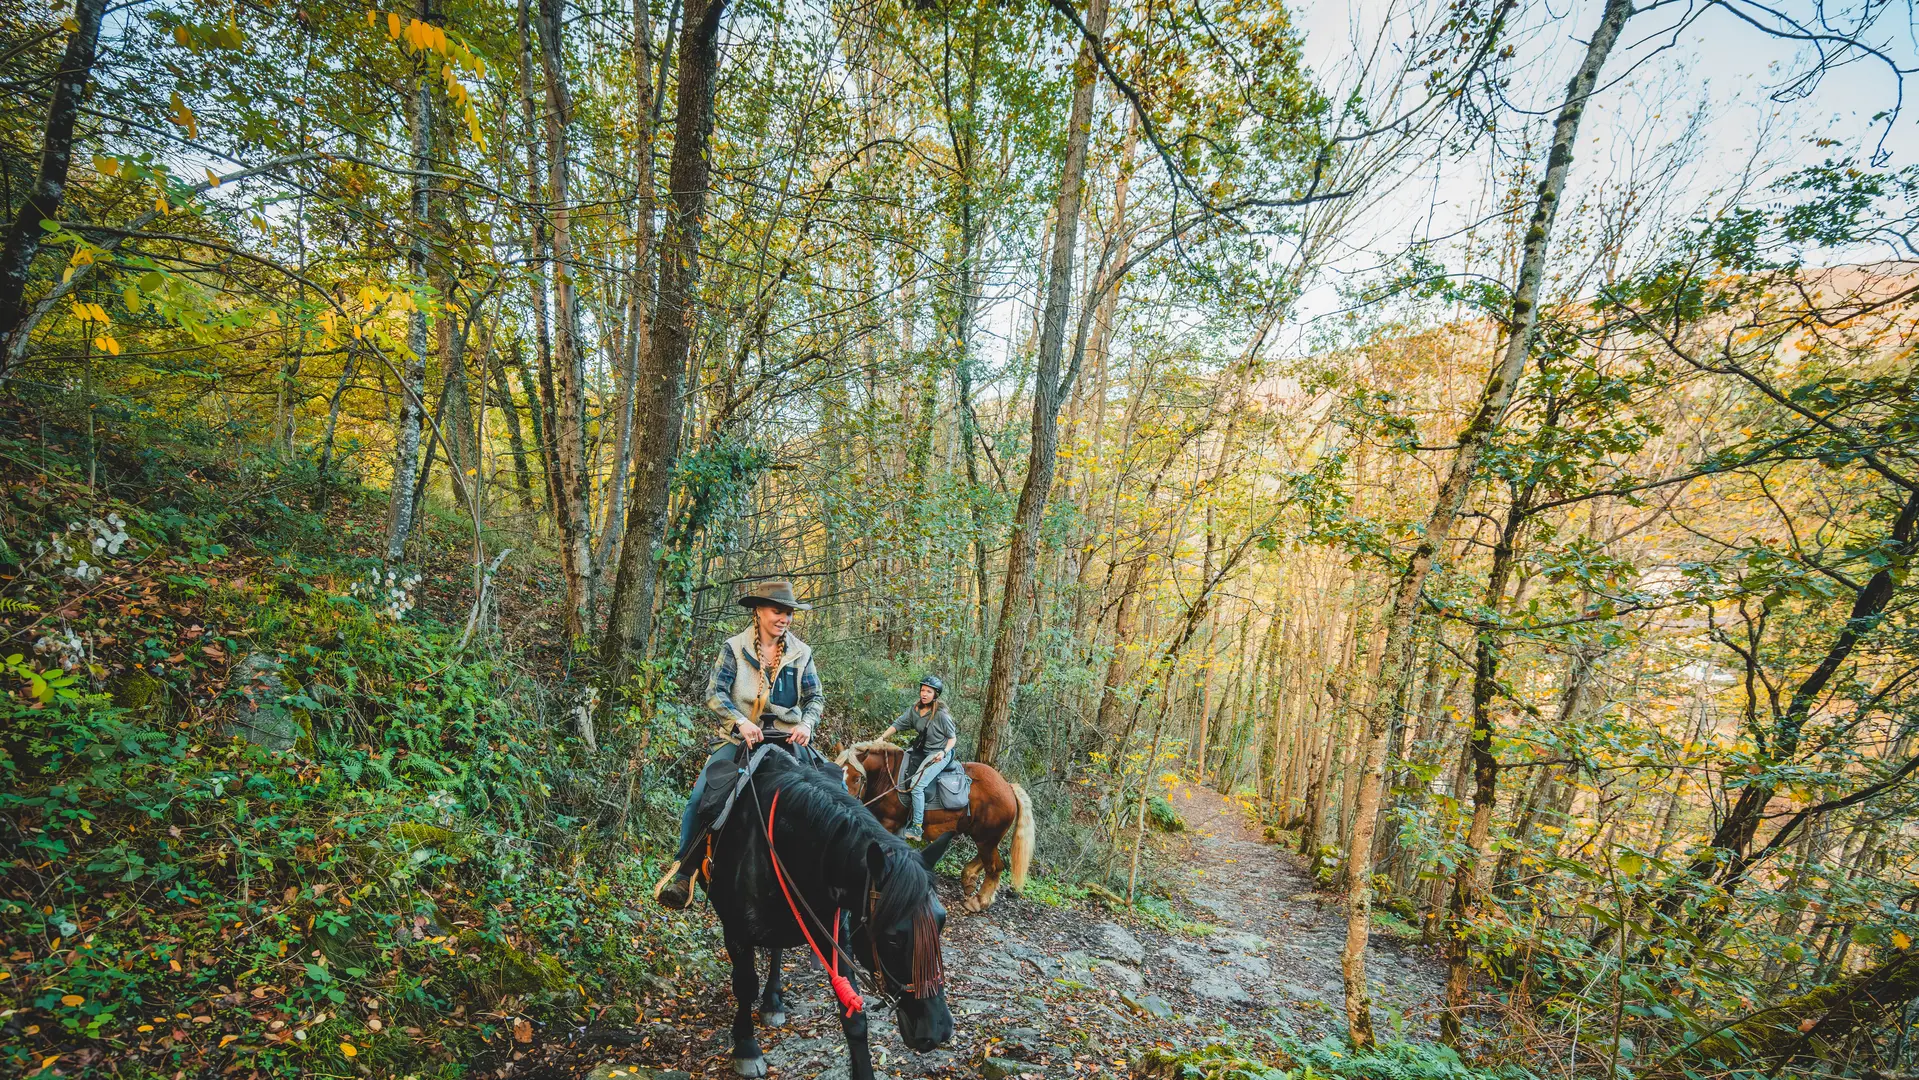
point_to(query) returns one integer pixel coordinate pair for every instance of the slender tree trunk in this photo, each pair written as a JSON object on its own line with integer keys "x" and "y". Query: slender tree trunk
{"x": 536, "y": 419}
{"x": 56, "y": 153}
{"x": 1125, "y": 623}
{"x": 406, "y": 455}
{"x": 516, "y": 441}
{"x": 660, "y": 400}
{"x": 639, "y": 309}
{"x": 1471, "y": 869}
{"x": 1393, "y": 654}
{"x": 1049, "y": 387}
{"x": 456, "y": 407}
{"x": 333, "y": 420}
{"x": 542, "y": 403}
{"x": 569, "y": 354}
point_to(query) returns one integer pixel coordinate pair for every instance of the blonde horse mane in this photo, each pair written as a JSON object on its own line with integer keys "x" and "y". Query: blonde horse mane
{"x": 850, "y": 757}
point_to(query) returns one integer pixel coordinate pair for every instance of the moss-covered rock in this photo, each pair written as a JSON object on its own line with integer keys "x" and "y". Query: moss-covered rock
{"x": 503, "y": 969}
{"x": 419, "y": 834}
{"x": 142, "y": 694}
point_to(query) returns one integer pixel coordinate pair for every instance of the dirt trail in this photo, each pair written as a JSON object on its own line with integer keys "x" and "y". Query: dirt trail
{"x": 1070, "y": 992}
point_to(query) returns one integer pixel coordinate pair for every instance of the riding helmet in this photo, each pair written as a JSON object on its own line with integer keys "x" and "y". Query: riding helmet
{"x": 934, "y": 682}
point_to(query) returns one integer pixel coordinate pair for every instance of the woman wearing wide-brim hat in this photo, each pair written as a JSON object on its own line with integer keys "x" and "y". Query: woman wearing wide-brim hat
{"x": 764, "y": 677}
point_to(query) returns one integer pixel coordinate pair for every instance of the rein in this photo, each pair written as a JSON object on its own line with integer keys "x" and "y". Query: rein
{"x": 849, "y": 998}
{"x": 929, "y": 974}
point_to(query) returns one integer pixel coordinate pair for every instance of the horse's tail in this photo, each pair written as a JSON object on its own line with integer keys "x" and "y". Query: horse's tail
{"x": 1024, "y": 827}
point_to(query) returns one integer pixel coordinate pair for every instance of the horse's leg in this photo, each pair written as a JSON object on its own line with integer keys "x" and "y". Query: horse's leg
{"x": 989, "y": 887}
{"x": 772, "y": 1002}
{"x": 747, "y": 1059}
{"x": 970, "y": 875}
{"x": 859, "y": 1053}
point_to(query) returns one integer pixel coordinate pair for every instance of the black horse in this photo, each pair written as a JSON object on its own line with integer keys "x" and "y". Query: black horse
{"x": 839, "y": 866}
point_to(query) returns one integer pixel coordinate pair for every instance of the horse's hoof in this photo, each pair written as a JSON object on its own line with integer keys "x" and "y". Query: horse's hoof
{"x": 971, "y": 906}
{"x": 753, "y": 1066}
{"x": 773, "y": 1019}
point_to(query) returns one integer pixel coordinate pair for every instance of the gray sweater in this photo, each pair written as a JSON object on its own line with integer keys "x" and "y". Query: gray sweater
{"x": 932, "y": 729}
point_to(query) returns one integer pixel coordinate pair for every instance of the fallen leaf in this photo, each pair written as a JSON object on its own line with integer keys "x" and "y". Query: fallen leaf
{"x": 73, "y": 1001}
{"x": 349, "y": 1049}
{"x": 522, "y": 1030}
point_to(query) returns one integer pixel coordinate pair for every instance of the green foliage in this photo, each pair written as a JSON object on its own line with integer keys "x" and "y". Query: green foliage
{"x": 1162, "y": 815}
{"x": 181, "y": 898}
{"x": 1052, "y": 891}
{"x": 1329, "y": 1060}
{"x": 1395, "y": 1060}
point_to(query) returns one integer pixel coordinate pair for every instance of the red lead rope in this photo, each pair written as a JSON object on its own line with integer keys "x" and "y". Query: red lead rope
{"x": 849, "y": 998}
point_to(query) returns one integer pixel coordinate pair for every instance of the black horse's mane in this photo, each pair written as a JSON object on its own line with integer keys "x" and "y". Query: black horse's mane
{"x": 845, "y": 829}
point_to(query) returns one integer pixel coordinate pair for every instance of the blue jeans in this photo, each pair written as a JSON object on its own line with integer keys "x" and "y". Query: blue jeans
{"x": 927, "y": 775}
{"x": 693, "y": 824}
{"x": 690, "y": 817}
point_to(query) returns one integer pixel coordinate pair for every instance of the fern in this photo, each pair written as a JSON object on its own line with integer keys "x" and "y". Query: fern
{"x": 10, "y": 606}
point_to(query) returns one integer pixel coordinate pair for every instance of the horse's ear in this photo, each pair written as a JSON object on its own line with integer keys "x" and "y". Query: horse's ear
{"x": 931, "y": 853}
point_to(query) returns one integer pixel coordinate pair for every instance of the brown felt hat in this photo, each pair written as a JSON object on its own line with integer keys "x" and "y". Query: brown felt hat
{"x": 772, "y": 592}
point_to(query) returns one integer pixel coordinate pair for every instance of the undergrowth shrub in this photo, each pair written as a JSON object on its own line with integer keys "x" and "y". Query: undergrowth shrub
{"x": 378, "y": 884}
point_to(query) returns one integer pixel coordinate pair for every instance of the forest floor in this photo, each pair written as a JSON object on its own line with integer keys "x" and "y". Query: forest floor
{"x": 1060, "y": 992}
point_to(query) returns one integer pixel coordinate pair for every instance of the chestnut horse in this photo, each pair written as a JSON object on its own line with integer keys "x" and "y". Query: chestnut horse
{"x": 994, "y": 808}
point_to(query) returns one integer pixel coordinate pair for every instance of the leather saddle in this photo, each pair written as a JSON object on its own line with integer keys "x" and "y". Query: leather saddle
{"x": 951, "y": 791}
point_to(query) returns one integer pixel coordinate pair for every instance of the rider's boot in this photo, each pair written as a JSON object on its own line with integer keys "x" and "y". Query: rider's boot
{"x": 675, "y": 890}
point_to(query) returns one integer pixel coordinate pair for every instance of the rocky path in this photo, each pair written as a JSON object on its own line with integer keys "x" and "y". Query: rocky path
{"x": 1065, "y": 992}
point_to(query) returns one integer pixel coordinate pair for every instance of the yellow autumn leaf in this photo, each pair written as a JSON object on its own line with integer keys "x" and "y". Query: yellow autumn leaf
{"x": 392, "y": 25}
{"x": 72, "y": 1000}
{"x": 1900, "y": 940}
{"x": 144, "y": 1027}
{"x": 349, "y": 1049}
{"x": 106, "y": 166}
{"x": 225, "y": 1039}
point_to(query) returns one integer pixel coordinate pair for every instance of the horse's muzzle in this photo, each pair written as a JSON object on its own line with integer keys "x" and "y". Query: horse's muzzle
{"x": 925, "y": 1023}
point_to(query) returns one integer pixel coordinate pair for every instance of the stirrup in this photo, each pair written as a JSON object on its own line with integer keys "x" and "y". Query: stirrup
{"x": 674, "y": 891}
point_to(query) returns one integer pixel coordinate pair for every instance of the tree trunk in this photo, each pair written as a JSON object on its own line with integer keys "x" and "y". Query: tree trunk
{"x": 1816, "y": 1025}
{"x": 1729, "y": 856}
{"x": 406, "y": 452}
{"x": 639, "y": 311}
{"x": 569, "y": 355}
{"x": 1479, "y": 748}
{"x": 542, "y": 403}
{"x": 1125, "y": 622}
{"x": 56, "y": 153}
{"x": 333, "y": 421}
{"x": 1009, "y": 642}
{"x": 510, "y": 411}
{"x": 660, "y": 399}
{"x": 1393, "y": 657}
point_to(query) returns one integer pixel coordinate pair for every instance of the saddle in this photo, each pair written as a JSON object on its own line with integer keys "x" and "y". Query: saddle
{"x": 951, "y": 791}
{"x": 726, "y": 779}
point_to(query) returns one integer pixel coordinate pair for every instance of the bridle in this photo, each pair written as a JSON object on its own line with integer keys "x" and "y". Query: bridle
{"x": 928, "y": 970}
